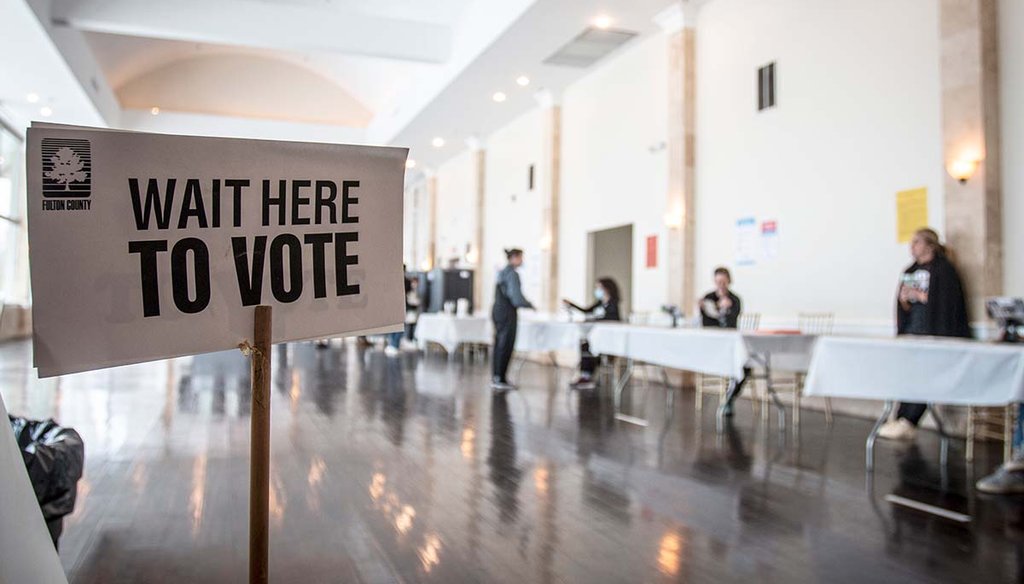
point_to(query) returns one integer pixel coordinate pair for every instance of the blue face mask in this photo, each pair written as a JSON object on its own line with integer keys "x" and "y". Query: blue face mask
{"x": 599, "y": 293}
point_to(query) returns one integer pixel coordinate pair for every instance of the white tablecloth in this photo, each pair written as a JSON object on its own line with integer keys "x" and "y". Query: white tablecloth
{"x": 715, "y": 352}
{"x": 451, "y": 331}
{"x": 788, "y": 352}
{"x": 703, "y": 350}
{"x": 531, "y": 334}
{"x": 943, "y": 371}
{"x": 548, "y": 335}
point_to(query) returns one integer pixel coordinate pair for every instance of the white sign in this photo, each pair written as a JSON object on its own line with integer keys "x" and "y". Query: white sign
{"x": 746, "y": 241}
{"x": 148, "y": 246}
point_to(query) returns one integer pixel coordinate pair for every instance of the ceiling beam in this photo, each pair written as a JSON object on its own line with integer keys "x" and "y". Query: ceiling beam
{"x": 261, "y": 24}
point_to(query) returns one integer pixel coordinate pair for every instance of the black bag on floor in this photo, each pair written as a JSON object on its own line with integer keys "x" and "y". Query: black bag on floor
{"x": 54, "y": 457}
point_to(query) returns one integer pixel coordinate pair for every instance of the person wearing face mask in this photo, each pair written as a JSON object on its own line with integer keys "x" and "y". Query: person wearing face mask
{"x": 931, "y": 301}
{"x": 508, "y": 299}
{"x": 721, "y": 308}
{"x": 606, "y": 308}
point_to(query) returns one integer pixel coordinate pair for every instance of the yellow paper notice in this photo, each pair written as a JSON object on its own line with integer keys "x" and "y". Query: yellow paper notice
{"x": 911, "y": 212}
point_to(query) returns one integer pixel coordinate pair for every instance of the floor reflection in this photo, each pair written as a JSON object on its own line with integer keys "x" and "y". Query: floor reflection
{"x": 505, "y": 473}
{"x": 407, "y": 469}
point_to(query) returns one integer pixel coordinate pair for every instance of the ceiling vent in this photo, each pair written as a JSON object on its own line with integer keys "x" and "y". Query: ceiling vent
{"x": 592, "y": 45}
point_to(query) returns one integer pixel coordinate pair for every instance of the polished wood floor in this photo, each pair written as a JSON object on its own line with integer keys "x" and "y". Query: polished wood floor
{"x": 408, "y": 470}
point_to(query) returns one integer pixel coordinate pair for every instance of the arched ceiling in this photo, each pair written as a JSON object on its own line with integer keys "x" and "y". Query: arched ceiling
{"x": 330, "y": 88}
{"x": 248, "y": 86}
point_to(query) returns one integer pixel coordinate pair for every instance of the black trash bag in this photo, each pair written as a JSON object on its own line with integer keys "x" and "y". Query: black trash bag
{"x": 54, "y": 457}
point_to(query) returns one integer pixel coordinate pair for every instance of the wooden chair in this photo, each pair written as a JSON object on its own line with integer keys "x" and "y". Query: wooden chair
{"x": 991, "y": 423}
{"x": 748, "y": 321}
{"x": 809, "y": 323}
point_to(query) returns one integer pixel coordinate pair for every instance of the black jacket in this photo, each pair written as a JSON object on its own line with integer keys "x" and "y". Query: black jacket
{"x": 728, "y": 318}
{"x": 945, "y": 314}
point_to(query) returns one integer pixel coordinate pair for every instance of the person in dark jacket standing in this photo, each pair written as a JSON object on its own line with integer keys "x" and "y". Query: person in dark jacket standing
{"x": 931, "y": 301}
{"x": 508, "y": 298}
{"x": 604, "y": 308}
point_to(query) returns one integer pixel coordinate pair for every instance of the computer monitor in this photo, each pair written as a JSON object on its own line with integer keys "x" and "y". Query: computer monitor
{"x": 1009, "y": 313}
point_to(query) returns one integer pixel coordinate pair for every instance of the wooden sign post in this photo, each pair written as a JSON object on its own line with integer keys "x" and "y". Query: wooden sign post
{"x": 259, "y": 449}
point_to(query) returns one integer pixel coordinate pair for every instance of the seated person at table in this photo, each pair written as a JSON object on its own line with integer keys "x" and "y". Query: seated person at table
{"x": 930, "y": 301}
{"x": 605, "y": 307}
{"x": 721, "y": 308}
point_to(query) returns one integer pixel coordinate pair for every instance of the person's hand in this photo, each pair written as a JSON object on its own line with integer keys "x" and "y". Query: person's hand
{"x": 906, "y": 293}
{"x": 921, "y": 296}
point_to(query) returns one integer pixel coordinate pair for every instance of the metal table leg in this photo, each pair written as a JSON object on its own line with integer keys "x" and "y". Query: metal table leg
{"x": 870, "y": 445}
{"x": 943, "y": 446}
{"x": 620, "y": 388}
{"x": 767, "y": 361}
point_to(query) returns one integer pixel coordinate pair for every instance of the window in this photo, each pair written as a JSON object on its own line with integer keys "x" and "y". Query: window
{"x": 766, "y": 87}
{"x": 13, "y": 237}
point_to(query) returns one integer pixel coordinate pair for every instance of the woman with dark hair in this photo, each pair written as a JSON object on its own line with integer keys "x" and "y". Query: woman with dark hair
{"x": 605, "y": 307}
{"x": 508, "y": 299}
{"x": 931, "y": 301}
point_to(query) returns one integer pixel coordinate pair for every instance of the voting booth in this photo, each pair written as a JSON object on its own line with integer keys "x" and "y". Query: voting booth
{"x": 150, "y": 246}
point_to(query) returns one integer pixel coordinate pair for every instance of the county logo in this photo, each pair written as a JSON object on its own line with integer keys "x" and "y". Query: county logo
{"x": 67, "y": 168}
{"x": 67, "y": 174}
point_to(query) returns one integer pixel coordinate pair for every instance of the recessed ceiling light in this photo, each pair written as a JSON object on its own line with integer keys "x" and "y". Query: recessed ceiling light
{"x": 45, "y": 111}
{"x": 523, "y": 81}
{"x": 437, "y": 142}
{"x": 32, "y": 97}
{"x": 603, "y": 21}
{"x": 498, "y": 97}
{"x": 154, "y": 110}
{"x": 410, "y": 163}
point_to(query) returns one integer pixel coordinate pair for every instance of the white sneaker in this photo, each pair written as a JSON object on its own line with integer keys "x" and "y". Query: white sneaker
{"x": 502, "y": 387}
{"x": 390, "y": 351}
{"x": 897, "y": 430}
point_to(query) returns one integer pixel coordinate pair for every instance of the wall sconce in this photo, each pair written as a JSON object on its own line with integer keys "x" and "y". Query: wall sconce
{"x": 673, "y": 220}
{"x": 545, "y": 243}
{"x": 962, "y": 170}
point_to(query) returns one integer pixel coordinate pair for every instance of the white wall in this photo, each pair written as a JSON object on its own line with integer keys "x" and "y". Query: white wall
{"x": 1011, "y": 66}
{"x": 512, "y": 214}
{"x": 612, "y": 119}
{"x": 858, "y": 119}
{"x": 456, "y": 206}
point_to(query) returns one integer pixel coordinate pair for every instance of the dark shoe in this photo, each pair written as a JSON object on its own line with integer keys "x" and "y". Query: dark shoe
{"x": 583, "y": 383}
{"x": 727, "y": 410}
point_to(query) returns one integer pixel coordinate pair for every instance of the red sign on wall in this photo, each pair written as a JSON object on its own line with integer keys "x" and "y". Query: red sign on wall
{"x": 652, "y": 251}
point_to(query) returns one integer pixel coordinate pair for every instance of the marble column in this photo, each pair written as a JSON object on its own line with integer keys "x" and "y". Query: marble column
{"x": 678, "y": 23}
{"x": 431, "y": 220}
{"x": 551, "y": 188}
{"x": 970, "y": 128}
{"x": 479, "y": 154}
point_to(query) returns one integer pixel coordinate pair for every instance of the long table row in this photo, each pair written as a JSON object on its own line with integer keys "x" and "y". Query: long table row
{"x": 929, "y": 370}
